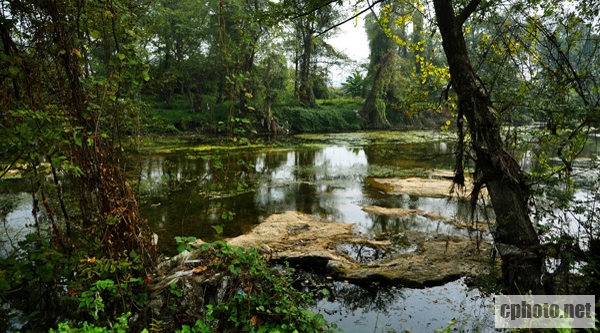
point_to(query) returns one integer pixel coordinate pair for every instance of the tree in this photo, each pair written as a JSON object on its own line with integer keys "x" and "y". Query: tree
{"x": 70, "y": 71}
{"x": 515, "y": 236}
{"x": 355, "y": 85}
{"x": 536, "y": 60}
{"x": 272, "y": 73}
{"x": 309, "y": 19}
{"x": 179, "y": 33}
{"x": 381, "y": 68}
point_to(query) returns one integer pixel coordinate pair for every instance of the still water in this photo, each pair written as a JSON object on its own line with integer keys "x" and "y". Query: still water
{"x": 190, "y": 188}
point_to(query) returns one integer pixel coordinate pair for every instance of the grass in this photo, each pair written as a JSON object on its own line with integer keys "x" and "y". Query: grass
{"x": 333, "y": 115}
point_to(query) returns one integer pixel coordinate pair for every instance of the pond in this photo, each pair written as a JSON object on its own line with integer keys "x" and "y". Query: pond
{"x": 190, "y": 188}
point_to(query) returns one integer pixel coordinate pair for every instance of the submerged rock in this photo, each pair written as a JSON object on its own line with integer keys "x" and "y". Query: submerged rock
{"x": 402, "y": 212}
{"x": 428, "y": 187}
{"x": 415, "y": 259}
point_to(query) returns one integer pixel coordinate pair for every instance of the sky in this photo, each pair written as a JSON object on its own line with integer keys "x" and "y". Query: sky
{"x": 352, "y": 40}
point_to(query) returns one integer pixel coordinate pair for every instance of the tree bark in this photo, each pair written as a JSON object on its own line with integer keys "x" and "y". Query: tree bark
{"x": 495, "y": 168}
{"x": 306, "y": 95}
{"x": 373, "y": 112}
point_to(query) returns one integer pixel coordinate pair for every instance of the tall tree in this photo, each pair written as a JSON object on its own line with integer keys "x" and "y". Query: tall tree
{"x": 384, "y": 51}
{"x": 272, "y": 74}
{"x": 180, "y": 33}
{"x": 309, "y": 18}
{"x": 515, "y": 236}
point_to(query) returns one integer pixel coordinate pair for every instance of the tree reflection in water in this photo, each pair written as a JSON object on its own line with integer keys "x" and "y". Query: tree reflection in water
{"x": 377, "y": 308}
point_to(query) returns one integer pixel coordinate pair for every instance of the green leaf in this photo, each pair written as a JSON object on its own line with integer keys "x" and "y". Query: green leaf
{"x": 218, "y": 229}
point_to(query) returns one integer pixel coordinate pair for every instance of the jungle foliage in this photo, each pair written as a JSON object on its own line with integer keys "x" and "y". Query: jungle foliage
{"x": 79, "y": 79}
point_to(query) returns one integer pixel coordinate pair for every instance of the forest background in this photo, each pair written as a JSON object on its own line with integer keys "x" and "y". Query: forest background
{"x": 81, "y": 82}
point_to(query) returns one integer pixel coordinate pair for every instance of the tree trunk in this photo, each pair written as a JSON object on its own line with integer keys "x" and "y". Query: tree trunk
{"x": 373, "y": 112}
{"x": 306, "y": 95}
{"x": 515, "y": 237}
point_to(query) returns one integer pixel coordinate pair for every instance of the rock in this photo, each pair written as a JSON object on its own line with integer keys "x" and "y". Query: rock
{"x": 401, "y": 212}
{"x": 318, "y": 246}
{"x": 296, "y": 229}
{"x": 426, "y": 187}
{"x": 398, "y": 212}
{"x": 335, "y": 267}
{"x": 265, "y": 250}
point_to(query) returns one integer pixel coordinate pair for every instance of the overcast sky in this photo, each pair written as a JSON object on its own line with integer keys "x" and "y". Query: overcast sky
{"x": 352, "y": 40}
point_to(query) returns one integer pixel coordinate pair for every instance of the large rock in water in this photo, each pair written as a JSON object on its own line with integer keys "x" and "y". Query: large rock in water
{"x": 410, "y": 259}
{"x": 428, "y": 187}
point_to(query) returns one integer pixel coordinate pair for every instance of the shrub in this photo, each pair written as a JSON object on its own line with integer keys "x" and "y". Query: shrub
{"x": 333, "y": 118}
{"x": 247, "y": 295}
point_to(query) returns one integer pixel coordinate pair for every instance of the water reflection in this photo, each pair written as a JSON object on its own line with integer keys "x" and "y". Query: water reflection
{"x": 358, "y": 309}
{"x": 16, "y": 221}
{"x": 188, "y": 193}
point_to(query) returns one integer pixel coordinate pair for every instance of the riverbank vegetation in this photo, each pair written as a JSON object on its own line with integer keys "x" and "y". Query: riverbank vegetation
{"x": 80, "y": 80}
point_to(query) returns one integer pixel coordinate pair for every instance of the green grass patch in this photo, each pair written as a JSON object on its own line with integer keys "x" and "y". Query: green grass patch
{"x": 333, "y": 115}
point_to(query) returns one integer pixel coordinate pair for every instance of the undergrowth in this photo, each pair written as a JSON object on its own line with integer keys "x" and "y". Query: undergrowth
{"x": 222, "y": 289}
{"x": 247, "y": 295}
{"x": 335, "y": 115}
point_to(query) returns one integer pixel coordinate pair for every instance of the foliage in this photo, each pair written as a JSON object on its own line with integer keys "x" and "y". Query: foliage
{"x": 71, "y": 73}
{"x": 308, "y": 45}
{"x": 38, "y": 275}
{"x": 257, "y": 298}
{"x": 333, "y": 116}
{"x": 355, "y": 85}
{"x": 174, "y": 116}
{"x": 120, "y": 326}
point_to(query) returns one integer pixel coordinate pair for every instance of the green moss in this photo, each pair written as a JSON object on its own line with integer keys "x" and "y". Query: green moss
{"x": 379, "y": 137}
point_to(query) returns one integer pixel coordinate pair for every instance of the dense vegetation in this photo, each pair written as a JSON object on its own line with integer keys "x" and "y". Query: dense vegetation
{"x": 80, "y": 80}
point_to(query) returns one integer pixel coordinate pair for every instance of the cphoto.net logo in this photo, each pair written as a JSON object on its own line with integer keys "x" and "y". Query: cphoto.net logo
{"x": 544, "y": 311}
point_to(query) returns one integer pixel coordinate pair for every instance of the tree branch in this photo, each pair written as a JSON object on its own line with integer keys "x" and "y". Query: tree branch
{"x": 327, "y": 3}
{"x": 350, "y": 18}
{"x": 372, "y": 11}
{"x": 466, "y": 12}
